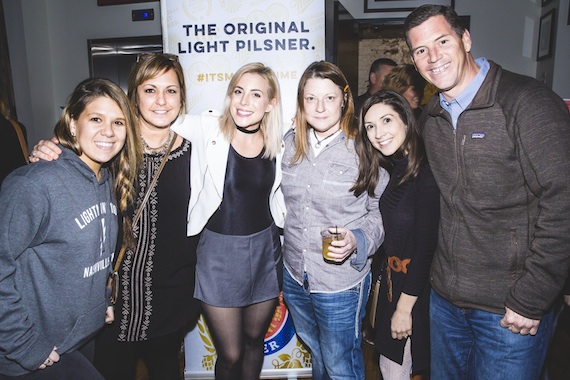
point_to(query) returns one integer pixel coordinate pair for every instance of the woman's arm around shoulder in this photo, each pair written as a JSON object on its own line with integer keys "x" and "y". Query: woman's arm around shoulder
{"x": 197, "y": 127}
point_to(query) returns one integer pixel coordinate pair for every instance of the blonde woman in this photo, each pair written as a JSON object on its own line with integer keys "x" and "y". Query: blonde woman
{"x": 237, "y": 202}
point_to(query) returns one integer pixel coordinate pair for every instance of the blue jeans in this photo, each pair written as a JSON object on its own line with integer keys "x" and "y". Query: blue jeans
{"x": 330, "y": 325}
{"x": 471, "y": 344}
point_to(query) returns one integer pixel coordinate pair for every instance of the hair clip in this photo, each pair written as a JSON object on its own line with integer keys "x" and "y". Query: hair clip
{"x": 345, "y": 89}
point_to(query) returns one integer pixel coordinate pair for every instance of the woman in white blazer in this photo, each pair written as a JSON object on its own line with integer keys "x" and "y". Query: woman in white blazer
{"x": 237, "y": 205}
{"x": 210, "y": 150}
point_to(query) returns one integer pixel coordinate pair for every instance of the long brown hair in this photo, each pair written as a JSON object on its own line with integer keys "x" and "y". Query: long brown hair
{"x": 322, "y": 70}
{"x": 125, "y": 165}
{"x": 371, "y": 160}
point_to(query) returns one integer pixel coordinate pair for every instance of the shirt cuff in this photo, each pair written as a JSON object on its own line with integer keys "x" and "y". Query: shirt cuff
{"x": 359, "y": 260}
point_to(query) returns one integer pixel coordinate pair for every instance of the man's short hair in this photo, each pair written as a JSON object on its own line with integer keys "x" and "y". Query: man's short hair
{"x": 377, "y": 64}
{"x": 426, "y": 11}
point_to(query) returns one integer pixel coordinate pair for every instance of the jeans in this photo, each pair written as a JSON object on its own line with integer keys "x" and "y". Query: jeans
{"x": 471, "y": 344}
{"x": 330, "y": 325}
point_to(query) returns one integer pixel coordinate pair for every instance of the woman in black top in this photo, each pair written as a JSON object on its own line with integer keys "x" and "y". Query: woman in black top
{"x": 237, "y": 204}
{"x": 389, "y": 137}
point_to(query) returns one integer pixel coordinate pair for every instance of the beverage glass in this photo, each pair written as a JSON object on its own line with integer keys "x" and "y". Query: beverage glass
{"x": 328, "y": 235}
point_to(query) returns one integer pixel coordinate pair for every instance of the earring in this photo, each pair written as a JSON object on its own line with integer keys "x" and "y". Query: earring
{"x": 72, "y": 134}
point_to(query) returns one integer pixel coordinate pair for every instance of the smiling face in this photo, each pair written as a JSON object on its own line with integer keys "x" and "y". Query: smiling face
{"x": 322, "y": 104}
{"x": 441, "y": 56}
{"x": 385, "y": 129}
{"x": 159, "y": 101}
{"x": 249, "y": 100}
{"x": 100, "y": 131}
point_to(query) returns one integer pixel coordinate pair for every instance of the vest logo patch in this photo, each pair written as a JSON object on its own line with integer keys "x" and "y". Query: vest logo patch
{"x": 478, "y": 135}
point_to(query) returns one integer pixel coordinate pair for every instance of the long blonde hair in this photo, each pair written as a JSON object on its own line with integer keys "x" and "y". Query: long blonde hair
{"x": 272, "y": 123}
{"x": 322, "y": 70}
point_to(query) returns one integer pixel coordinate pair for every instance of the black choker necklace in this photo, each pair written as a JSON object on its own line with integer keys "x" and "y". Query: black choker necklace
{"x": 318, "y": 143}
{"x": 248, "y": 131}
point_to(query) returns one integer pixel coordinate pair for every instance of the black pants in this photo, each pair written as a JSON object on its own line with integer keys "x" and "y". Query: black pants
{"x": 117, "y": 360}
{"x": 71, "y": 366}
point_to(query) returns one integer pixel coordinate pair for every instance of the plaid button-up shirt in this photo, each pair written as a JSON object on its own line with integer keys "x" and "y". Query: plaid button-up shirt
{"x": 317, "y": 193}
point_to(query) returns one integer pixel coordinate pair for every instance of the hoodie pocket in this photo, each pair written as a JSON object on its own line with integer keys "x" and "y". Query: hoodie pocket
{"x": 85, "y": 327}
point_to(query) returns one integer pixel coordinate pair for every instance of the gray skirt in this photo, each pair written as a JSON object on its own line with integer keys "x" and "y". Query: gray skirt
{"x": 237, "y": 271}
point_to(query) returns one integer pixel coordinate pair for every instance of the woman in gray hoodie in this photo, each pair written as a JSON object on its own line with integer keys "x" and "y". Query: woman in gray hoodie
{"x": 58, "y": 228}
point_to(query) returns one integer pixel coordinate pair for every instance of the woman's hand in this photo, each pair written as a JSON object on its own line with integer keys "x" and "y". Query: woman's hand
{"x": 52, "y": 358}
{"x": 110, "y": 315}
{"x": 401, "y": 322}
{"x": 401, "y": 326}
{"x": 339, "y": 250}
{"x": 46, "y": 150}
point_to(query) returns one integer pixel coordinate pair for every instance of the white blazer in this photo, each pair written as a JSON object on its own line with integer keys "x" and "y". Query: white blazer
{"x": 208, "y": 163}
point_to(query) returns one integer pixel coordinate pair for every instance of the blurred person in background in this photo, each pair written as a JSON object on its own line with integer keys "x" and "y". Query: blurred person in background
{"x": 13, "y": 143}
{"x": 378, "y": 71}
{"x": 405, "y": 80}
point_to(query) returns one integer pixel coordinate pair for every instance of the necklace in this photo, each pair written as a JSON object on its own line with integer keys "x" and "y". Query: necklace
{"x": 161, "y": 149}
{"x": 318, "y": 143}
{"x": 248, "y": 131}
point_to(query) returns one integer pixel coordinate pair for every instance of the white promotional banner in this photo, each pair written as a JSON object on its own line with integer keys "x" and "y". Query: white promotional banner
{"x": 285, "y": 355}
{"x": 214, "y": 38}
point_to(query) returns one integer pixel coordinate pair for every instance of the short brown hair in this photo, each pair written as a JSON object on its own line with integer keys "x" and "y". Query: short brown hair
{"x": 422, "y": 13}
{"x": 150, "y": 66}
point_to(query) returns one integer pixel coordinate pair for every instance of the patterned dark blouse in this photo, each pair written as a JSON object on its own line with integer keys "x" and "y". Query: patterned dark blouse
{"x": 157, "y": 281}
